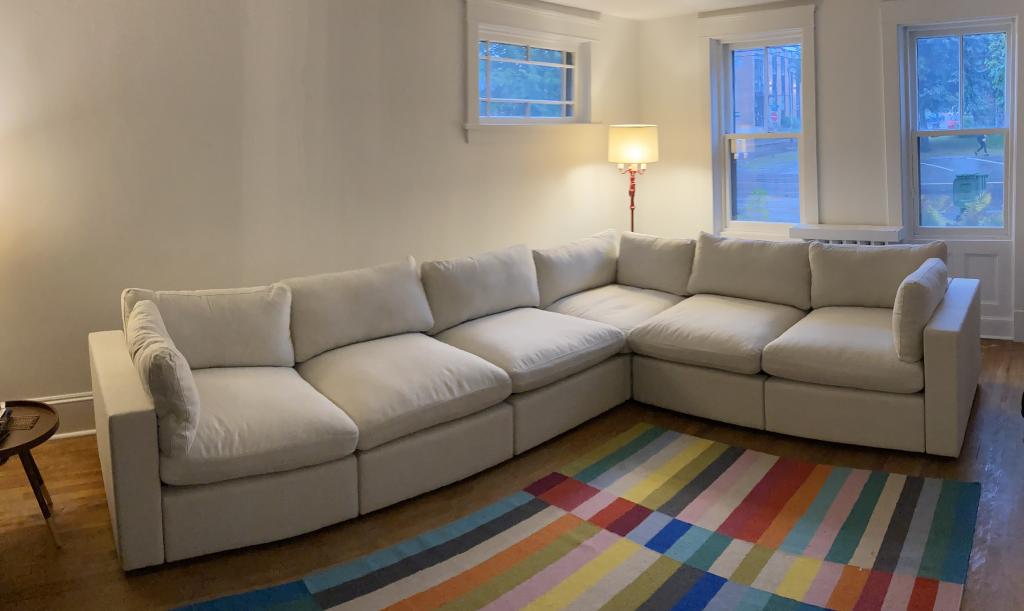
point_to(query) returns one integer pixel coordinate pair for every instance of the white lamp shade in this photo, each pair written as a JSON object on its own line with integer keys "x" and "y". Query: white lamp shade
{"x": 633, "y": 144}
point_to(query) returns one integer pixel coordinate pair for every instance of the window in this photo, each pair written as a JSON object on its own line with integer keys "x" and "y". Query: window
{"x": 520, "y": 81}
{"x": 764, "y": 143}
{"x": 958, "y": 136}
{"x": 527, "y": 64}
{"x": 763, "y": 138}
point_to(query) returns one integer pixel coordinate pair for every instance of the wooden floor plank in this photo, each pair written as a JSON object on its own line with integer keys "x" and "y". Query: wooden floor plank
{"x": 84, "y": 574}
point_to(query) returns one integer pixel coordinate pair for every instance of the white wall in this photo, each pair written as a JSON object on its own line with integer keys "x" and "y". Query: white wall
{"x": 195, "y": 143}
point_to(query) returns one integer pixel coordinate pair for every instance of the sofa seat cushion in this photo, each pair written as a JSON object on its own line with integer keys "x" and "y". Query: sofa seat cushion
{"x": 844, "y": 346}
{"x": 259, "y": 420}
{"x": 396, "y": 386}
{"x": 617, "y": 305}
{"x": 537, "y": 347}
{"x": 725, "y": 333}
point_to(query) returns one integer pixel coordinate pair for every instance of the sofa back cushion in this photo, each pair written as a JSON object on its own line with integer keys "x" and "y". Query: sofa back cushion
{"x": 245, "y": 327}
{"x": 575, "y": 267}
{"x": 865, "y": 276}
{"x": 916, "y": 299}
{"x": 777, "y": 272}
{"x": 471, "y": 287}
{"x": 649, "y": 262}
{"x": 334, "y": 310}
{"x": 166, "y": 376}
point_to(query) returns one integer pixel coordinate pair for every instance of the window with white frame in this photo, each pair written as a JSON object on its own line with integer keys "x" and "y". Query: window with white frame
{"x": 764, "y": 141}
{"x": 958, "y": 99}
{"x": 528, "y": 63}
{"x": 520, "y": 81}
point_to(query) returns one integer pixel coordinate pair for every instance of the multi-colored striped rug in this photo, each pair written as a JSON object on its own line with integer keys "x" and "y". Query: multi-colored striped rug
{"x": 655, "y": 519}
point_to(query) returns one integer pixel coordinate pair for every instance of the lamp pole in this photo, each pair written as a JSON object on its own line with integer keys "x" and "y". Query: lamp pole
{"x": 633, "y": 170}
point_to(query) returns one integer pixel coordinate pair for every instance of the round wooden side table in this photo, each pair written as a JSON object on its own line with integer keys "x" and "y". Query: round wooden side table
{"x": 21, "y": 442}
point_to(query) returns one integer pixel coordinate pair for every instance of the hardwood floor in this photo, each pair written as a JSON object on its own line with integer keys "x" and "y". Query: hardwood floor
{"x": 84, "y": 574}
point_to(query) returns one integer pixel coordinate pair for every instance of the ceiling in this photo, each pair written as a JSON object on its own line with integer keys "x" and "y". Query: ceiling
{"x": 653, "y": 9}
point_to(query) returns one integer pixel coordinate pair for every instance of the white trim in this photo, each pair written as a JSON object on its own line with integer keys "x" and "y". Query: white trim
{"x": 75, "y": 397}
{"x": 75, "y": 419}
{"x": 73, "y": 434}
{"x": 775, "y": 25}
{"x": 537, "y": 24}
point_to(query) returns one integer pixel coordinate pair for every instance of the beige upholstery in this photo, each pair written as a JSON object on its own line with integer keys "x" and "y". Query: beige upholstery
{"x": 334, "y": 310}
{"x": 709, "y": 393}
{"x": 126, "y": 437}
{"x": 650, "y": 262}
{"x": 620, "y": 306}
{"x": 246, "y": 327}
{"x": 472, "y": 287}
{"x": 712, "y": 331}
{"x": 399, "y": 385}
{"x": 433, "y": 458}
{"x": 577, "y": 266}
{"x": 865, "y": 276}
{"x": 777, "y": 272}
{"x": 536, "y": 347}
{"x": 166, "y": 376}
{"x": 550, "y": 411}
{"x": 845, "y": 415}
{"x": 918, "y": 296}
{"x": 952, "y": 364}
{"x": 258, "y": 420}
{"x": 227, "y": 515}
{"x": 850, "y": 347}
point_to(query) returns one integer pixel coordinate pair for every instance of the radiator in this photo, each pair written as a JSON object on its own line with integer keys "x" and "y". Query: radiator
{"x": 869, "y": 235}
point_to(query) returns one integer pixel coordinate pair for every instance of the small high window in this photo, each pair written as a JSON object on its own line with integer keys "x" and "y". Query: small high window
{"x": 521, "y": 81}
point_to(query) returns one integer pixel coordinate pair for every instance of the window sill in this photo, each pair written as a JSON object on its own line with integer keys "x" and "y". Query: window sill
{"x": 482, "y": 131}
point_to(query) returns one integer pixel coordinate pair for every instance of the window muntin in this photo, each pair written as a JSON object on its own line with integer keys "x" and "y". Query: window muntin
{"x": 959, "y": 136}
{"x": 763, "y": 132}
{"x": 519, "y": 81}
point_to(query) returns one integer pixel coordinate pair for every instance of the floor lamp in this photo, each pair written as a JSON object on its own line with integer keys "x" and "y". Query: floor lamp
{"x": 632, "y": 147}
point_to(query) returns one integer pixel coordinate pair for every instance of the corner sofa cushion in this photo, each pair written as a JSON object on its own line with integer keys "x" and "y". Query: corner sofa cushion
{"x": 620, "y": 306}
{"x": 576, "y": 266}
{"x": 246, "y": 327}
{"x": 916, "y": 299}
{"x": 660, "y": 264}
{"x": 724, "y": 333}
{"x": 470, "y": 287}
{"x": 259, "y": 420}
{"x": 536, "y": 347}
{"x": 843, "y": 346}
{"x": 166, "y": 376}
{"x": 335, "y": 310}
{"x": 777, "y": 272}
{"x": 865, "y": 276}
{"x": 396, "y": 386}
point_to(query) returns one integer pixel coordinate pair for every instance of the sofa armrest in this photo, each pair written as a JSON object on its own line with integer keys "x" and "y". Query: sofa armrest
{"x": 129, "y": 457}
{"x": 952, "y": 366}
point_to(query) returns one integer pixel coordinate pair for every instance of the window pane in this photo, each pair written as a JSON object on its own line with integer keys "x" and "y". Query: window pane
{"x": 507, "y": 109}
{"x": 545, "y": 110}
{"x": 546, "y": 55}
{"x": 483, "y": 48}
{"x": 498, "y": 49}
{"x": 985, "y": 80}
{"x": 525, "y": 81}
{"x": 962, "y": 180}
{"x": 938, "y": 82}
{"x": 784, "y": 88}
{"x": 765, "y": 180}
{"x": 568, "y": 110}
{"x": 748, "y": 91}
{"x": 482, "y": 78}
{"x": 568, "y": 85}
{"x": 766, "y": 89}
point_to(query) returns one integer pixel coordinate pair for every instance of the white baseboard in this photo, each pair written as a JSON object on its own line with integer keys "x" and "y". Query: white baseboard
{"x": 997, "y": 328}
{"x": 75, "y": 412}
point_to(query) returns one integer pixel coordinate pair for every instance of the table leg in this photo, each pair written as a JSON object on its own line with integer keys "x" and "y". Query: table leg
{"x": 35, "y": 479}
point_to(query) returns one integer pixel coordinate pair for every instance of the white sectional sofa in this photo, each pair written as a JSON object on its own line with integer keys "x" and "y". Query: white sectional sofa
{"x": 235, "y": 417}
